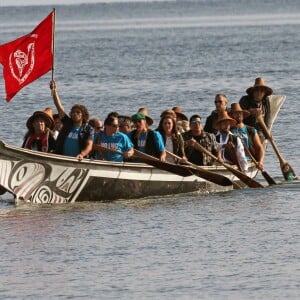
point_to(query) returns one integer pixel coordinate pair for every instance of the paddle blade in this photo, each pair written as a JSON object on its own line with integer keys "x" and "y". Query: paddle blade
{"x": 287, "y": 171}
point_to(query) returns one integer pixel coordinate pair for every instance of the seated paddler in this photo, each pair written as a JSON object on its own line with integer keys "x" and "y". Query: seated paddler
{"x": 145, "y": 139}
{"x": 111, "y": 144}
{"x": 39, "y": 136}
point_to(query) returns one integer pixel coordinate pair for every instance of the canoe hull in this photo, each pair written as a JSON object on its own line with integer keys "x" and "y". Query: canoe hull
{"x": 38, "y": 177}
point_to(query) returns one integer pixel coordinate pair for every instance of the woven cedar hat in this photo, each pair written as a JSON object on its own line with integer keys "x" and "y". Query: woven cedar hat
{"x": 179, "y": 113}
{"x": 223, "y": 116}
{"x": 235, "y": 107}
{"x": 144, "y": 111}
{"x": 46, "y": 114}
{"x": 259, "y": 83}
{"x": 168, "y": 112}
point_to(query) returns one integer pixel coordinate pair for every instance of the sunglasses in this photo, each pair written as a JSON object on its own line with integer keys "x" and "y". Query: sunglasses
{"x": 218, "y": 101}
{"x": 195, "y": 122}
{"x": 76, "y": 112}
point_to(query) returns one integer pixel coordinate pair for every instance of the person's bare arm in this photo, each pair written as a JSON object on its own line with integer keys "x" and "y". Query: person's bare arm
{"x": 56, "y": 99}
{"x": 86, "y": 150}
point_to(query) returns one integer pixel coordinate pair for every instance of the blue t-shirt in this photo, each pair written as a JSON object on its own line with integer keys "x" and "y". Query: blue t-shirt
{"x": 243, "y": 133}
{"x": 71, "y": 144}
{"x": 118, "y": 141}
{"x": 158, "y": 139}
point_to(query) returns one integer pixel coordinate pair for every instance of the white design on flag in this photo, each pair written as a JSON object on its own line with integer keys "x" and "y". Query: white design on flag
{"x": 19, "y": 60}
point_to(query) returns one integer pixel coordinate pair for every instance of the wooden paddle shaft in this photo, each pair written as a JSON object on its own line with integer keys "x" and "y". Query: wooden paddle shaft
{"x": 242, "y": 176}
{"x": 269, "y": 137}
{"x": 208, "y": 175}
{"x": 266, "y": 175}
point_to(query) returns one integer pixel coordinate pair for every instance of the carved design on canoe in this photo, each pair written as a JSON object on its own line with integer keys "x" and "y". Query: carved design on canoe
{"x": 38, "y": 183}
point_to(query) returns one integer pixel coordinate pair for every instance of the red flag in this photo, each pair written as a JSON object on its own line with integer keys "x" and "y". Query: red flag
{"x": 28, "y": 57}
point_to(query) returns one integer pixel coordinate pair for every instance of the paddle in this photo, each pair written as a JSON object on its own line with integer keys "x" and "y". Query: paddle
{"x": 207, "y": 175}
{"x": 142, "y": 157}
{"x": 243, "y": 177}
{"x": 268, "y": 178}
{"x": 286, "y": 169}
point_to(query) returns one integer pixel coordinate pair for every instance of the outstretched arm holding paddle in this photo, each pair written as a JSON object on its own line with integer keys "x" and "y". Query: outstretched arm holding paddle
{"x": 259, "y": 166}
{"x": 286, "y": 169}
{"x": 242, "y": 176}
{"x": 208, "y": 175}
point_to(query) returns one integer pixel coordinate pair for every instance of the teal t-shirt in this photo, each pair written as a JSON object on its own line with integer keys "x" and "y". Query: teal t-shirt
{"x": 71, "y": 144}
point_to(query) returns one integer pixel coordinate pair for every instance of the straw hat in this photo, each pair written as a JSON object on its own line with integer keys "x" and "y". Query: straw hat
{"x": 179, "y": 113}
{"x": 223, "y": 116}
{"x": 235, "y": 107}
{"x": 168, "y": 112}
{"x": 260, "y": 83}
{"x": 46, "y": 114}
{"x": 184, "y": 124}
{"x": 144, "y": 111}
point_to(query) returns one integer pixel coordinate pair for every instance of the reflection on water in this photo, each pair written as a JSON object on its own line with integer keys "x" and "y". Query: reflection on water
{"x": 236, "y": 243}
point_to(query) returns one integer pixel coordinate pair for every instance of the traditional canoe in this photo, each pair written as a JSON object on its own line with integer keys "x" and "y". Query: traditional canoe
{"x": 38, "y": 177}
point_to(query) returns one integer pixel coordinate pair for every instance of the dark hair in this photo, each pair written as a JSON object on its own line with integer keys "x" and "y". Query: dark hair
{"x": 194, "y": 117}
{"x": 160, "y": 127}
{"x": 110, "y": 119}
{"x": 221, "y": 95}
{"x": 84, "y": 111}
{"x": 113, "y": 114}
{"x": 124, "y": 121}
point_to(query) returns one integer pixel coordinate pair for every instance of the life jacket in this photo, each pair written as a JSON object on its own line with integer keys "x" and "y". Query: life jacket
{"x": 43, "y": 142}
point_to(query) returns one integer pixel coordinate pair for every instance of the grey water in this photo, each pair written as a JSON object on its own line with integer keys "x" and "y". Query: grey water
{"x": 242, "y": 244}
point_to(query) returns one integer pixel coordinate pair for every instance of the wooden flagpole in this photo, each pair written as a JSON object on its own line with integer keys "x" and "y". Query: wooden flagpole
{"x": 53, "y": 43}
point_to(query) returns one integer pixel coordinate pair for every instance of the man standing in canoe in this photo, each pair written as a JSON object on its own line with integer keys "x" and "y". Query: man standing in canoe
{"x": 76, "y": 136}
{"x": 257, "y": 103}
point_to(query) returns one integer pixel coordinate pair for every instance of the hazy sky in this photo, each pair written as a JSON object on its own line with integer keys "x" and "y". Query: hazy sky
{"x": 55, "y": 2}
{"x": 43, "y": 2}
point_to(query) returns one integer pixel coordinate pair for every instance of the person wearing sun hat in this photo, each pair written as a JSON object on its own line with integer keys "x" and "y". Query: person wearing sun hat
{"x": 257, "y": 102}
{"x": 230, "y": 145}
{"x": 144, "y": 111}
{"x": 39, "y": 136}
{"x": 179, "y": 114}
{"x": 182, "y": 120}
{"x": 145, "y": 139}
{"x": 247, "y": 133}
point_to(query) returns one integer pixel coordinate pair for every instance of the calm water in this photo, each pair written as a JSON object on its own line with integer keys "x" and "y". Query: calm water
{"x": 235, "y": 245}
